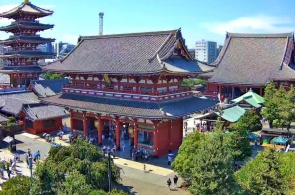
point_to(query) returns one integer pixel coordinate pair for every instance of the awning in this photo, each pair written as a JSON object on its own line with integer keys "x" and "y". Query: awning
{"x": 252, "y": 136}
{"x": 280, "y": 140}
{"x": 8, "y": 139}
{"x": 250, "y": 94}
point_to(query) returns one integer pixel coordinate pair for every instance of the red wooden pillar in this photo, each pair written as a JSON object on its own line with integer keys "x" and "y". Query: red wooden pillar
{"x": 220, "y": 89}
{"x": 135, "y": 138}
{"x": 99, "y": 129}
{"x": 260, "y": 91}
{"x": 85, "y": 124}
{"x": 156, "y": 142}
{"x": 118, "y": 132}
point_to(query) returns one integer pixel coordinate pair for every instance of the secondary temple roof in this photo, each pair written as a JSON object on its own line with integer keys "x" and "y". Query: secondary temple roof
{"x": 168, "y": 109}
{"x": 138, "y": 53}
{"x": 255, "y": 59}
{"x": 44, "y": 112}
{"x": 46, "y": 88}
{"x": 26, "y": 25}
{"x": 26, "y": 8}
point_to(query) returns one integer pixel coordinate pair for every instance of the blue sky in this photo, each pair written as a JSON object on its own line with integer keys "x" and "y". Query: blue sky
{"x": 198, "y": 19}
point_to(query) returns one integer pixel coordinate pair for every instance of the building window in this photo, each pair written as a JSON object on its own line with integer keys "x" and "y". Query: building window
{"x": 29, "y": 124}
{"x": 48, "y": 123}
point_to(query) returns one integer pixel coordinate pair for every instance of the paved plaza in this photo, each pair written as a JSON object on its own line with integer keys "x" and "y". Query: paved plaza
{"x": 133, "y": 176}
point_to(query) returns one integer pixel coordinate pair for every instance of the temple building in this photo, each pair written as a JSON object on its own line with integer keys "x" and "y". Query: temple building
{"x": 252, "y": 61}
{"x": 129, "y": 86}
{"x": 23, "y": 55}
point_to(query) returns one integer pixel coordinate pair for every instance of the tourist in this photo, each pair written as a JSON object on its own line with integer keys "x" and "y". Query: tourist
{"x": 144, "y": 168}
{"x": 170, "y": 156}
{"x": 175, "y": 179}
{"x": 169, "y": 183}
{"x": 8, "y": 172}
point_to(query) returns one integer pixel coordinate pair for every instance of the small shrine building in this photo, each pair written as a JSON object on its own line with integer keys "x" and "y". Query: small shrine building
{"x": 130, "y": 85}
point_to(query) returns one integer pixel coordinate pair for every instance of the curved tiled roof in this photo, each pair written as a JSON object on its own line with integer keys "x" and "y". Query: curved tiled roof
{"x": 26, "y": 39}
{"x": 254, "y": 59}
{"x": 44, "y": 112}
{"x": 46, "y": 88}
{"x": 26, "y": 25}
{"x": 138, "y": 53}
{"x": 26, "y": 8}
{"x": 167, "y": 109}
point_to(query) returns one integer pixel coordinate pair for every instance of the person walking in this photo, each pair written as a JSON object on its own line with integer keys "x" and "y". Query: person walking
{"x": 175, "y": 179}
{"x": 144, "y": 168}
{"x": 169, "y": 183}
{"x": 8, "y": 172}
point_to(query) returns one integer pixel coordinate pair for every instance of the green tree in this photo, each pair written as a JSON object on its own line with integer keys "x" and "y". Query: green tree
{"x": 212, "y": 166}
{"x": 16, "y": 185}
{"x": 262, "y": 175}
{"x": 239, "y": 142}
{"x": 271, "y": 103}
{"x": 51, "y": 76}
{"x": 183, "y": 163}
{"x": 191, "y": 82}
{"x": 80, "y": 159}
{"x": 250, "y": 121}
{"x": 287, "y": 168}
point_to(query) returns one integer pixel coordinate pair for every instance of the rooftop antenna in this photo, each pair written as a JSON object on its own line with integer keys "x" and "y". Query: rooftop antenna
{"x": 101, "y": 14}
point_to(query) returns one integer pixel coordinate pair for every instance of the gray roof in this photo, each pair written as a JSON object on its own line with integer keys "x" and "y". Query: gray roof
{"x": 31, "y": 69}
{"x": 3, "y": 118}
{"x": 26, "y": 39}
{"x": 26, "y": 24}
{"x": 255, "y": 59}
{"x": 12, "y": 103}
{"x": 44, "y": 112}
{"x": 137, "y": 53}
{"x": 166, "y": 109}
{"x": 28, "y": 9}
{"x": 48, "y": 87}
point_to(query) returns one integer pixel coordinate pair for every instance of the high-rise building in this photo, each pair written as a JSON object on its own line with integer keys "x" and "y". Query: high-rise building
{"x": 206, "y": 51}
{"x": 62, "y": 49}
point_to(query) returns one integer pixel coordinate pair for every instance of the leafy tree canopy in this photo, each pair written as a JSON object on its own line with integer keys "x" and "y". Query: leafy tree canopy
{"x": 262, "y": 175}
{"x": 81, "y": 160}
{"x": 250, "y": 121}
{"x": 16, "y": 185}
{"x": 192, "y": 82}
{"x": 51, "y": 76}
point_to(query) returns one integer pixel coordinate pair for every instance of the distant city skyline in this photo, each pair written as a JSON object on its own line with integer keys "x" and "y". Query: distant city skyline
{"x": 198, "y": 19}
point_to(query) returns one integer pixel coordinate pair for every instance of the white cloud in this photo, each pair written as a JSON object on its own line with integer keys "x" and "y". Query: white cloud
{"x": 261, "y": 23}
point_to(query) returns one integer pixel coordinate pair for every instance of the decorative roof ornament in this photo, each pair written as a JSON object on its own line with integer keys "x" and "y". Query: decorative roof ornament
{"x": 26, "y": 2}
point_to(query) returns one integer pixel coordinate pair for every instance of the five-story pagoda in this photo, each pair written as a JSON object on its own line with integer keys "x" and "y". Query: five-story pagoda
{"x": 23, "y": 55}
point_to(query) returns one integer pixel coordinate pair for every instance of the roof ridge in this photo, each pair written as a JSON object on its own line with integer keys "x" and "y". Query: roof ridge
{"x": 261, "y": 35}
{"x": 149, "y": 33}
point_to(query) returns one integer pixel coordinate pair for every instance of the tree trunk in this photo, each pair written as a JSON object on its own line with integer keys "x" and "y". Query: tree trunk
{"x": 270, "y": 123}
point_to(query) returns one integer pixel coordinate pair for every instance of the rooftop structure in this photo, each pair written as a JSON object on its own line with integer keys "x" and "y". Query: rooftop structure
{"x": 45, "y": 88}
{"x": 22, "y": 59}
{"x": 251, "y": 61}
{"x": 131, "y": 83}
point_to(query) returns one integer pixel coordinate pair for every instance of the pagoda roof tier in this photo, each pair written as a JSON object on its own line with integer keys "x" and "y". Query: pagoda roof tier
{"x": 138, "y": 53}
{"x": 19, "y": 69}
{"x": 27, "y": 54}
{"x": 134, "y": 108}
{"x": 255, "y": 59}
{"x": 26, "y": 8}
{"x": 26, "y": 39}
{"x": 26, "y": 25}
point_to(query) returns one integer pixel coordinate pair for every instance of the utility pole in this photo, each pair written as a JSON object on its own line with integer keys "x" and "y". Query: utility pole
{"x": 109, "y": 171}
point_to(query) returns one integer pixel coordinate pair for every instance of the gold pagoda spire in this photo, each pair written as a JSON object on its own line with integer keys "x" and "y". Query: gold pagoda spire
{"x": 26, "y": 2}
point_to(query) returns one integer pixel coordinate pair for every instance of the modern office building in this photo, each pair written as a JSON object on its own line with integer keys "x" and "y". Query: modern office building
{"x": 206, "y": 51}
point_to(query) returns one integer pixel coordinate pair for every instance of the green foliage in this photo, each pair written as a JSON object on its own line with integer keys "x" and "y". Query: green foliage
{"x": 52, "y": 76}
{"x": 81, "y": 160}
{"x": 279, "y": 105}
{"x": 183, "y": 163}
{"x": 11, "y": 121}
{"x": 117, "y": 192}
{"x": 262, "y": 175}
{"x": 16, "y": 185}
{"x": 239, "y": 142}
{"x": 250, "y": 121}
{"x": 192, "y": 82}
{"x": 212, "y": 172}
{"x": 287, "y": 168}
